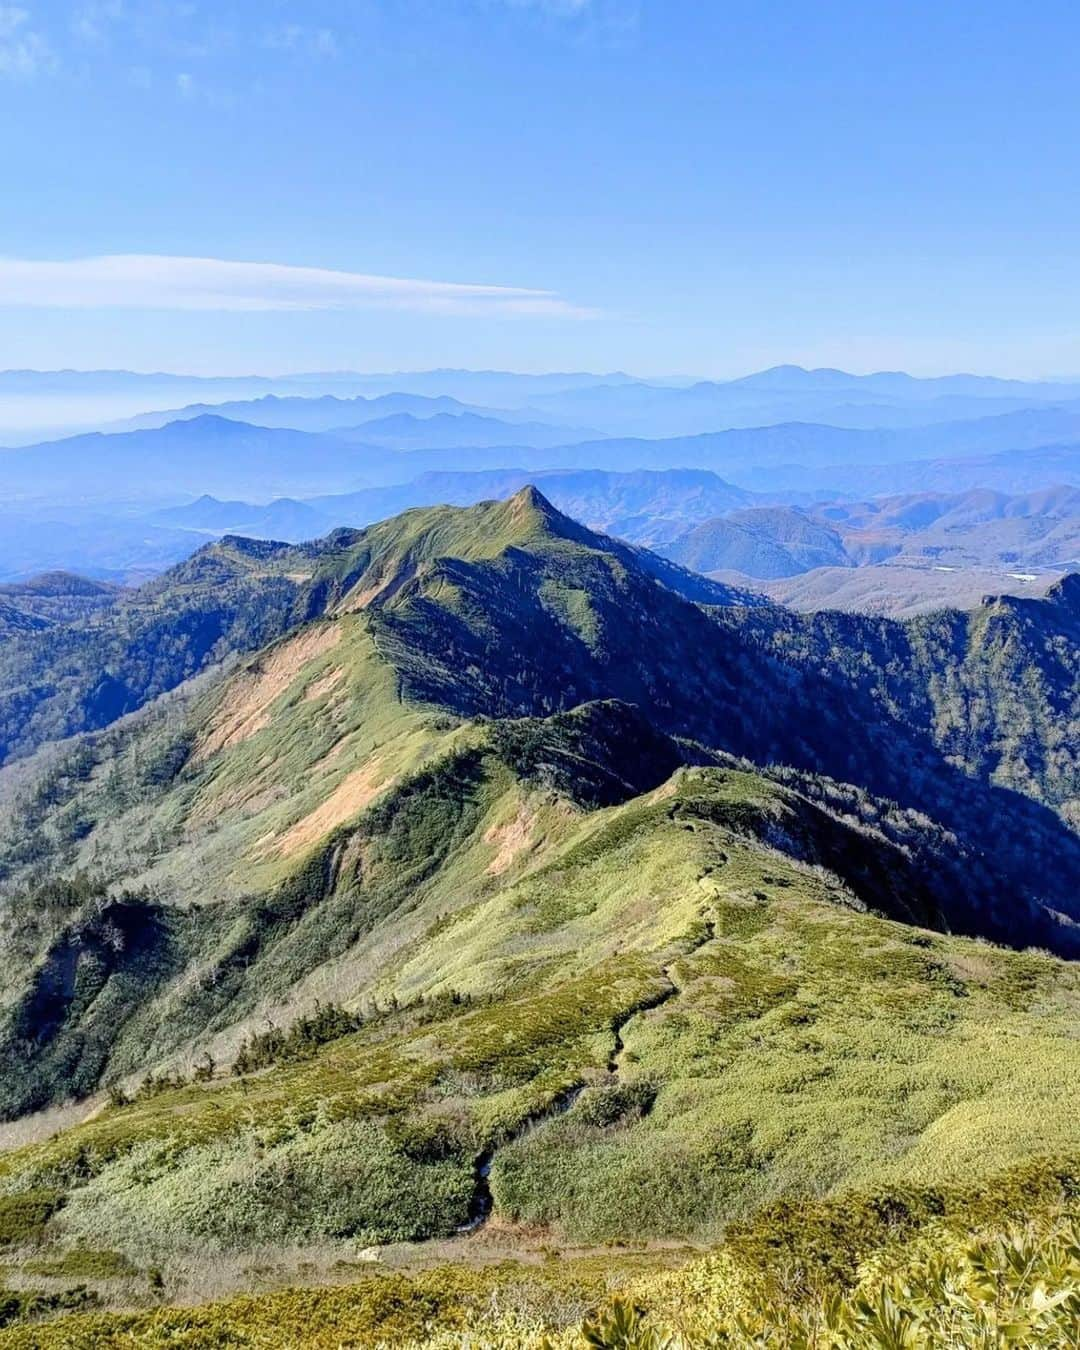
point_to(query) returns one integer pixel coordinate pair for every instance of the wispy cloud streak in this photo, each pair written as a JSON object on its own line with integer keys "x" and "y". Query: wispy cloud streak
{"x": 147, "y": 281}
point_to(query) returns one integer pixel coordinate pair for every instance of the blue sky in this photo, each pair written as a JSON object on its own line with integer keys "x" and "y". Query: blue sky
{"x": 550, "y": 184}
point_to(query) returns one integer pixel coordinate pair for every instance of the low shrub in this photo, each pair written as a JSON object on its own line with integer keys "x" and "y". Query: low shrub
{"x": 28, "y": 1305}
{"x": 343, "y": 1179}
{"x": 81, "y": 1263}
{"x": 23, "y": 1216}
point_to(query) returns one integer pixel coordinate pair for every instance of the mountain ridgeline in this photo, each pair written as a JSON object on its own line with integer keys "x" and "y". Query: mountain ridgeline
{"x": 476, "y": 863}
{"x": 511, "y": 609}
{"x": 239, "y": 594}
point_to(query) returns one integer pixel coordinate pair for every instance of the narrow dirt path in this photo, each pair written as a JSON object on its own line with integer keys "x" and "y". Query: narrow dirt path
{"x": 480, "y": 1205}
{"x": 482, "y": 1202}
{"x": 659, "y": 999}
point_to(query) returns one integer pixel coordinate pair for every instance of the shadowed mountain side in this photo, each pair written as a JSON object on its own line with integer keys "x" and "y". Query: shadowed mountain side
{"x": 483, "y": 639}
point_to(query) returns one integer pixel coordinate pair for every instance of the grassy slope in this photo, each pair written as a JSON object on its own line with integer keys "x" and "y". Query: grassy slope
{"x": 272, "y": 822}
{"x": 790, "y": 1044}
{"x": 686, "y": 950}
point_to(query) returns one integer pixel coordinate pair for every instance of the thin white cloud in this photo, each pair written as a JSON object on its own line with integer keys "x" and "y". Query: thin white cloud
{"x": 146, "y": 281}
{"x": 24, "y": 53}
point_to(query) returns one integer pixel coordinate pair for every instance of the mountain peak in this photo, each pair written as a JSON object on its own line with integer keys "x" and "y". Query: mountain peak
{"x": 530, "y": 498}
{"x": 528, "y": 511}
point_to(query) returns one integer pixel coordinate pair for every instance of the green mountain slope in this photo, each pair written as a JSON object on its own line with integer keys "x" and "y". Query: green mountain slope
{"x": 521, "y": 886}
{"x": 239, "y": 796}
{"x": 696, "y": 957}
{"x": 238, "y": 594}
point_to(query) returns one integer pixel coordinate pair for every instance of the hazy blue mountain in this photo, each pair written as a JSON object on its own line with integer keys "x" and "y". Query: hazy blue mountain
{"x": 448, "y": 430}
{"x": 284, "y": 518}
{"x": 327, "y": 412}
{"x": 207, "y": 454}
{"x": 451, "y": 429}
{"x": 207, "y": 513}
{"x": 789, "y": 394}
{"x": 1013, "y": 471}
{"x": 898, "y": 383}
{"x": 38, "y": 405}
{"x": 811, "y": 451}
{"x": 645, "y": 507}
{"x": 108, "y": 547}
{"x": 616, "y": 404}
{"x": 237, "y": 461}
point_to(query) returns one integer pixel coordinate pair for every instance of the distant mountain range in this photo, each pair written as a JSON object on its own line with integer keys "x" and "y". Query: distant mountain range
{"x": 35, "y": 405}
{"x": 401, "y": 431}
{"x": 711, "y": 526}
{"x": 212, "y": 454}
{"x": 209, "y": 452}
{"x": 646, "y": 506}
{"x": 977, "y": 528}
{"x": 330, "y": 412}
{"x": 616, "y": 404}
{"x": 127, "y": 503}
{"x": 326, "y": 412}
{"x": 789, "y": 394}
{"x": 711, "y": 523}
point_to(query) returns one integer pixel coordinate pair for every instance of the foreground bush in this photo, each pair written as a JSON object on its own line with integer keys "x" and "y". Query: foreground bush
{"x": 1017, "y": 1289}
